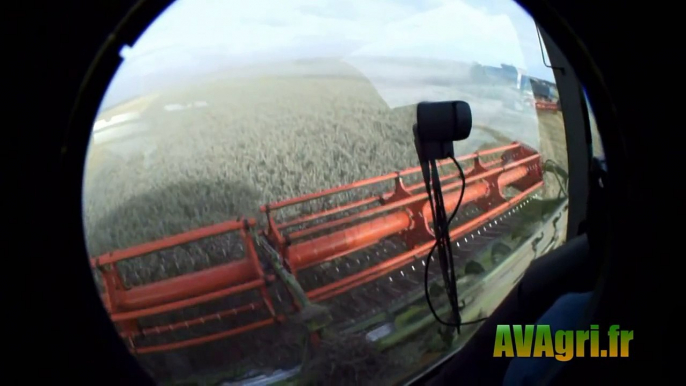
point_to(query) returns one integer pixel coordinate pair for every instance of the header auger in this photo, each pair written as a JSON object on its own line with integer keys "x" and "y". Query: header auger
{"x": 329, "y": 252}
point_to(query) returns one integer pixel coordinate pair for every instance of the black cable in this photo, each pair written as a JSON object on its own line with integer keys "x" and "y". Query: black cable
{"x": 445, "y": 248}
{"x": 557, "y": 170}
{"x": 440, "y": 233}
{"x": 445, "y": 237}
{"x": 475, "y": 321}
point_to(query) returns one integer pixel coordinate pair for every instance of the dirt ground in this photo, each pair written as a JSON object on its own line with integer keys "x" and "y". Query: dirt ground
{"x": 210, "y": 152}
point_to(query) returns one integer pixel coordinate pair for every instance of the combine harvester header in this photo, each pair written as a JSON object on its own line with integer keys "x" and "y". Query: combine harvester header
{"x": 374, "y": 235}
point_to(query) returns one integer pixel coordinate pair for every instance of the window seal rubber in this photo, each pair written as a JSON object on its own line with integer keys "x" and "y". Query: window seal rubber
{"x": 577, "y": 132}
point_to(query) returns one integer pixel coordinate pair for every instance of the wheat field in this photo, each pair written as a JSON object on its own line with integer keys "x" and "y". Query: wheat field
{"x": 209, "y": 152}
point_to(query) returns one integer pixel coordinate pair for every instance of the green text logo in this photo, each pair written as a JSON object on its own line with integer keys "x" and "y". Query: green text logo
{"x": 538, "y": 341}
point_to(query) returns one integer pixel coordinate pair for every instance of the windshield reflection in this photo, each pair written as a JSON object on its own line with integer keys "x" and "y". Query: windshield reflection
{"x": 241, "y": 200}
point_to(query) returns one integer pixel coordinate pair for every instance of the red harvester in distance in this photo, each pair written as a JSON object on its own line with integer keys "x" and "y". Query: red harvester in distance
{"x": 544, "y": 105}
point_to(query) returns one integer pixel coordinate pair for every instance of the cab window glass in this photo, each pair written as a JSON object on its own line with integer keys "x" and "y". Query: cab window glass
{"x": 241, "y": 197}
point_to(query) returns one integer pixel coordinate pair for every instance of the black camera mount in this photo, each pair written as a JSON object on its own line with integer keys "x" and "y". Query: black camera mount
{"x": 438, "y": 125}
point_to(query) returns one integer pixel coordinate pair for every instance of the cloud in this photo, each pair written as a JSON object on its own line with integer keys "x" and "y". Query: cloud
{"x": 241, "y": 28}
{"x": 454, "y": 31}
{"x": 195, "y": 37}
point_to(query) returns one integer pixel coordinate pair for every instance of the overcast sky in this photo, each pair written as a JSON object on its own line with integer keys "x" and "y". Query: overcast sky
{"x": 203, "y": 36}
